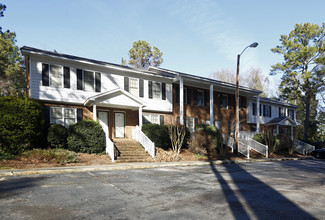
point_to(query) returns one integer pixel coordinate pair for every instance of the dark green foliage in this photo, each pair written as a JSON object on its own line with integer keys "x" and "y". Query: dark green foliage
{"x": 86, "y": 136}
{"x": 57, "y": 136}
{"x": 160, "y": 136}
{"x": 207, "y": 139}
{"x": 286, "y": 144}
{"x": 21, "y": 123}
{"x": 157, "y": 134}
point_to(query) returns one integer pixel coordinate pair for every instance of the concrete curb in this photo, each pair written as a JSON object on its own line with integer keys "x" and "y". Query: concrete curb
{"x": 127, "y": 166}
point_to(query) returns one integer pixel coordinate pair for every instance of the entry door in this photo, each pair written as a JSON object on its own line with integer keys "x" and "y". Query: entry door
{"x": 119, "y": 125}
{"x": 103, "y": 121}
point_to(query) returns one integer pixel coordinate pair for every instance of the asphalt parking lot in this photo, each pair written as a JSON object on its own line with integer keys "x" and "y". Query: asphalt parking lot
{"x": 264, "y": 190}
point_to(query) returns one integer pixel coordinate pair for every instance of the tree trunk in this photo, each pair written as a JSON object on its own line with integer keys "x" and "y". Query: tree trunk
{"x": 307, "y": 114}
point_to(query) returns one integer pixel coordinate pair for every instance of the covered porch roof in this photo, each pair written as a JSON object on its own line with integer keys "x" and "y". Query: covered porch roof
{"x": 116, "y": 98}
{"x": 282, "y": 121}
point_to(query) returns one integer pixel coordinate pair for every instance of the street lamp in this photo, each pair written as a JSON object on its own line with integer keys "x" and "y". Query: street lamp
{"x": 253, "y": 45}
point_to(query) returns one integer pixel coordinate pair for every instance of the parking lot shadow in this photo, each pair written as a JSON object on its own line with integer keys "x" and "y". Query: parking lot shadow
{"x": 259, "y": 198}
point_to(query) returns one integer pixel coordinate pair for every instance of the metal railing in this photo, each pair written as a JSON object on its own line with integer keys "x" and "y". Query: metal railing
{"x": 302, "y": 147}
{"x": 228, "y": 141}
{"x": 110, "y": 147}
{"x": 242, "y": 148}
{"x": 146, "y": 143}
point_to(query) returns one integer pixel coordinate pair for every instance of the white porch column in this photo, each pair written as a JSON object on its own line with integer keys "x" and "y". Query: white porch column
{"x": 181, "y": 101}
{"x": 211, "y": 105}
{"x": 277, "y": 129}
{"x": 94, "y": 111}
{"x": 258, "y": 129}
{"x": 140, "y": 117}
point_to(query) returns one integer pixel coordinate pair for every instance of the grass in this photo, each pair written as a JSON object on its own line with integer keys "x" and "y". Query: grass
{"x": 60, "y": 156}
{"x": 200, "y": 157}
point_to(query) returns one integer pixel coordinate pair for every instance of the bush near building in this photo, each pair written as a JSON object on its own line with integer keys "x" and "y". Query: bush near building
{"x": 57, "y": 136}
{"x": 21, "y": 124}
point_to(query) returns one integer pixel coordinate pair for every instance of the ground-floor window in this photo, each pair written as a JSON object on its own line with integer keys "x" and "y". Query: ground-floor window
{"x": 190, "y": 124}
{"x": 63, "y": 116}
{"x": 151, "y": 119}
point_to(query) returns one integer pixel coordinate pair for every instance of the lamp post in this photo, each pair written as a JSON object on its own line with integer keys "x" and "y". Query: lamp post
{"x": 253, "y": 45}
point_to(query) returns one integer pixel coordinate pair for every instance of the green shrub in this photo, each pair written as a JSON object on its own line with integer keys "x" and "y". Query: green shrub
{"x": 157, "y": 134}
{"x": 160, "y": 136}
{"x": 286, "y": 144}
{"x": 86, "y": 136}
{"x": 21, "y": 124}
{"x": 57, "y": 136}
{"x": 60, "y": 156}
{"x": 207, "y": 139}
{"x": 267, "y": 138}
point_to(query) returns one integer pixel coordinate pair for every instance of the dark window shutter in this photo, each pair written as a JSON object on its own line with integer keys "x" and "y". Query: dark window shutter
{"x": 196, "y": 122}
{"x": 79, "y": 79}
{"x": 206, "y": 98}
{"x": 178, "y": 120}
{"x": 177, "y": 94}
{"x": 141, "y": 88}
{"x": 270, "y": 111}
{"x": 126, "y": 83}
{"x": 150, "y": 89}
{"x": 161, "y": 120}
{"x": 98, "y": 82}
{"x": 264, "y": 110}
{"x": 254, "y": 108}
{"x": 45, "y": 75}
{"x": 79, "y": 114}
{"x": 46, "y": 114}
{"x": 66, "y": 73}
{"x": 163, "y": 89}
{"x": 188, "y": 96}
{"x": 261, "y": 109}
{"x": 195, "y": 97}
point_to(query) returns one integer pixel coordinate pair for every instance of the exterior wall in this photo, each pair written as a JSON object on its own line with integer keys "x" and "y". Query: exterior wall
{"x": 274, "y": 112}
{"x": 110, "y": 79}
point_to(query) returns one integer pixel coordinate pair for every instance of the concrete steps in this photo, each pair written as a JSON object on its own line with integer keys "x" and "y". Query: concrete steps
{"x": 130, "y": 151}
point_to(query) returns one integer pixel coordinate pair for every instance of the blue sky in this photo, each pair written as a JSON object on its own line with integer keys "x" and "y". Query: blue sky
{"x": 196, "y": 36}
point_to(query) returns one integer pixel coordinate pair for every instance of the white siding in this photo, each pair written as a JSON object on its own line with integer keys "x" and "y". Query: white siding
{"x": 110, "y": 79}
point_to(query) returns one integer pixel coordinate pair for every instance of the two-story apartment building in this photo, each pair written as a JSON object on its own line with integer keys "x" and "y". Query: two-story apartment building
{"x": 72, "y": 88}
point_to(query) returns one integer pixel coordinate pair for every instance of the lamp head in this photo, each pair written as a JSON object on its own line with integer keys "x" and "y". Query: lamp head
{"x": 255, "y": 44}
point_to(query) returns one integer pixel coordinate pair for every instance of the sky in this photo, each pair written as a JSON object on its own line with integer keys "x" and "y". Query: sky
{"x": 197, "y": 37}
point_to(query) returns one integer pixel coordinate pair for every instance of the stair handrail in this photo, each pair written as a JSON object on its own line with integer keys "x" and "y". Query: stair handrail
{"x": 146, "y": 143}
{"x": 229, "y": 141}
{"x": 109, "y": 147}
{"x": 302, "y": 147}
{"x": 255, "y": 145}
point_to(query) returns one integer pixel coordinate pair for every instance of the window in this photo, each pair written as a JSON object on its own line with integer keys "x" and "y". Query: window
{"x": 282, "y": 112}
{"x": 224, "y": 101}
{"x": 89, "y": 81}
{"x": 200, "y": 97}
{"x": 56, "y": 76}
{"x": 267, "y": 111}
{"x": 156, "y": 90}
{"x": 190, "y": 123}
{"x": 63, "y": 116}
{"x": 152, "y": 119}
{"x": 291, "y": 114}
{"x": 134, "y": 87}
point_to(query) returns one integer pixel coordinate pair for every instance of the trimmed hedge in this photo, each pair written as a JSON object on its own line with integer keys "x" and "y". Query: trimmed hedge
{"x": 86, "y": 136}
{"x": 160, "y": 136}
{"x": 21, "y": 124}
{"x": 57, "y": 136}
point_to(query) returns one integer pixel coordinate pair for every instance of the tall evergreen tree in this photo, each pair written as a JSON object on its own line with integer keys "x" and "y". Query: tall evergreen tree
{"x": 302, "y": 73}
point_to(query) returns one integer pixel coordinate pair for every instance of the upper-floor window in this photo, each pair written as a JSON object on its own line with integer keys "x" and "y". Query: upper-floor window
{"x": 55, "y": 75}
{"x": 291, "y": 114}
{"x": 282, "y": 112}
{"x": 134, "y": 87}
{"x": 254, "y": 108}
{"x": 156, "y": 90}
{"x": 224, "y": 101}
{"x": 267, "y": 111}
{"x": 200, "y": 97}
{"x": 88, "y": 80}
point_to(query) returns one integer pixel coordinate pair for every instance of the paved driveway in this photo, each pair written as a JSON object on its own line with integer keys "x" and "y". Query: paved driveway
{"x": 268, "y": 190}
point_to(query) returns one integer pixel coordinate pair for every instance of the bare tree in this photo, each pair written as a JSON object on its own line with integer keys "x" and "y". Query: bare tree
{"x": 177, "y": 134}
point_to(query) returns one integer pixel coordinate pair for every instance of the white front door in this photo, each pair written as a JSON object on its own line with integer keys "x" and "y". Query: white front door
{"x": 103, "y": 121}
{"x": 119, "y": 124}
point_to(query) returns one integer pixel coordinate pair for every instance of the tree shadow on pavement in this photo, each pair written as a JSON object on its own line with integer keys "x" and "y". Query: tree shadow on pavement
{"x": 259, "y": 198}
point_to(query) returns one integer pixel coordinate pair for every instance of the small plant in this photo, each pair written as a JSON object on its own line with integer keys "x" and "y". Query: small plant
{"x": 57, "y": 136}
{"x": 60, "y": 156}
{"x": 177, "y": 134}
{"x": 86, "y": 136}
